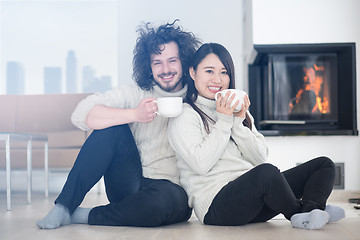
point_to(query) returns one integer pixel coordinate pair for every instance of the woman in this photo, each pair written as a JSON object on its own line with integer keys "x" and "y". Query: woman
{"x": 221, "y": 158}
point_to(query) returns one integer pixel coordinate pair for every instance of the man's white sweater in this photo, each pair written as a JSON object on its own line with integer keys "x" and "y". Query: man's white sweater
{"x": 207, "y": 162}
{"x": 157, "y": 157}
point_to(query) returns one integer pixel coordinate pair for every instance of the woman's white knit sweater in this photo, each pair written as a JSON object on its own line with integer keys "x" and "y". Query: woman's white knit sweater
{"x": 157, "y": 157}
{"x": 207, "y": 162}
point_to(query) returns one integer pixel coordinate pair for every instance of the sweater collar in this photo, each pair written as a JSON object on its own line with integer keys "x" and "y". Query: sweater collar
{"x": 161, "y": 93}
{"x": 205, "y": 102}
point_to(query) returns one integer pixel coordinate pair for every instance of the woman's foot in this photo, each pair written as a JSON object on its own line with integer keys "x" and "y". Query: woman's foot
{"x": 315, "y": 219}
{"x": 336, "y": 213}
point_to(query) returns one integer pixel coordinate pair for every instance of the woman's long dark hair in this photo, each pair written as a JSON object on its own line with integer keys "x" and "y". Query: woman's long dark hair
{"x": 223, "y": 54}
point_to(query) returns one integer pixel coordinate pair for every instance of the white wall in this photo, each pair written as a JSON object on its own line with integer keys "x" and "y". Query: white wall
{"x": 310, "y": 21}
{"x": 209, "y": 20}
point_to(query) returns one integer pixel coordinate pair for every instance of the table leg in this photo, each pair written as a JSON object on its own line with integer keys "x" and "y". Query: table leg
{"x": 29, "y": 170}
{"x": 8, "y": 172}
{"x": 46, "y": 169}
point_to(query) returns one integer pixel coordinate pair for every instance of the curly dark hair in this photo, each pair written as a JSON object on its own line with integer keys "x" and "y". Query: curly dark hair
{"x": 150, "y": 41}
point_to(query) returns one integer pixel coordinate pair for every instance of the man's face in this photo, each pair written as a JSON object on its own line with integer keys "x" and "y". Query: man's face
{"x": 166, "y": 68}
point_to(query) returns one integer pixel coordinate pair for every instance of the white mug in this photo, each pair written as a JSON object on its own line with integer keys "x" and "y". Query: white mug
{"x": 239, "y": 95}
{"x": 169, "y": 106}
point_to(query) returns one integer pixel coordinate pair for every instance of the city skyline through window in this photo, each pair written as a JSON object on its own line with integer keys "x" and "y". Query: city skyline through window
{"x": 58, "y": 46}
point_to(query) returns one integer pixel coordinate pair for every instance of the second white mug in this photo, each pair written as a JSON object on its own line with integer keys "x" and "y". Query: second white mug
{"x": 239, "y": 95}
{"x": 169, "y": 106}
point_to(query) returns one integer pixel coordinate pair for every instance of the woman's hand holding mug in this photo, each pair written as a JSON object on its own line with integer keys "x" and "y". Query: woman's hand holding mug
{"x": 232, "y": 101}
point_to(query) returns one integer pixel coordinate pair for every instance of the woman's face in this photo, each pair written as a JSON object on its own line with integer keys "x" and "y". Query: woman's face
{"x": 210, "y": 76}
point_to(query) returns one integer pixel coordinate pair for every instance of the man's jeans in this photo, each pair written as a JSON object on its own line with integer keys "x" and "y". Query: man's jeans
{"x": 134, "y": 200}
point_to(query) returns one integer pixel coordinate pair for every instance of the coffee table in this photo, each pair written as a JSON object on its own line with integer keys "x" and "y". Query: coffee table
{"x": 9, "y": 137}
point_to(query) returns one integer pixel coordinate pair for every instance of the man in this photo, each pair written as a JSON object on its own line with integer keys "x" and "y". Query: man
{"x": 129, "y": 145}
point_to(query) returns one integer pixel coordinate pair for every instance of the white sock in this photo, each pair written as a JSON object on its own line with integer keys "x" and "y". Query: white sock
{"x": 315, "y": 219}
{"x": 80, "y": 215}
{"x": 57, "y": 216}
{"x": 336, "y": 213}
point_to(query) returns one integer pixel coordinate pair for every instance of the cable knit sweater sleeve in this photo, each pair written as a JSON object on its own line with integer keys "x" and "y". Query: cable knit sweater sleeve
{"x": 121, "y": 97}
{"x": 250, "y": 142}
{"x": 189, "y": 139}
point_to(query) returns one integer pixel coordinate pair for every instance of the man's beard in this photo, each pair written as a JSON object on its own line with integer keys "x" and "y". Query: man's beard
{"x": 168, "y": 88}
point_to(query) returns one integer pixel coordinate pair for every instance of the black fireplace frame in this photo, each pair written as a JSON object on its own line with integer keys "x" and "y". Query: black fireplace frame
{"x": 346, "y": 123}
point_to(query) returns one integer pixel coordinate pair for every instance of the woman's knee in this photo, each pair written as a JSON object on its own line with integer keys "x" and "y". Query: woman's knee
{"x": 268, "y": 174}
{"x": 267, "y": 169}
{"x": 325, "y": 162}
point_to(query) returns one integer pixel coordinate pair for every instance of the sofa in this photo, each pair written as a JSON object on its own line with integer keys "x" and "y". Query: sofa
{"x": 42, "y": 114}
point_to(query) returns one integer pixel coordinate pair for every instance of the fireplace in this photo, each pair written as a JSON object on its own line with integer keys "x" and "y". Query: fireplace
{"x": 304, "y": 89}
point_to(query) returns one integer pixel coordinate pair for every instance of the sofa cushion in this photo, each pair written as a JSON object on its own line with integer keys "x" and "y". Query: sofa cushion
{"x": 48, "y": 114}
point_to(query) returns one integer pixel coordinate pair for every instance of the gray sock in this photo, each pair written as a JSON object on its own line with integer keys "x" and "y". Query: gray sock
{"x": 80, "y": 215}
{"x": 336, "y": 213}
{"x": 315, "y": 219}
{"x": 57, "y": 216}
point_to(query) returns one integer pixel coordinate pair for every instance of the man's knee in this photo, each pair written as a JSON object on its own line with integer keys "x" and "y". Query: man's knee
{"x": 118, "y": 129}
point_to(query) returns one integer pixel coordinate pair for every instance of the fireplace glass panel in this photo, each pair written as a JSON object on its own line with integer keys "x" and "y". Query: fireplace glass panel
{"x": 302, "y": 87}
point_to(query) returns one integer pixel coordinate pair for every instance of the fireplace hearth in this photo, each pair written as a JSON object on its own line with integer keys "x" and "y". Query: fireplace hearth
{"x": 304, "y": 89}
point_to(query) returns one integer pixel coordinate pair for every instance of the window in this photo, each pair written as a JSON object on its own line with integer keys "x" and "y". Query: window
{"x": 52, "y": 46}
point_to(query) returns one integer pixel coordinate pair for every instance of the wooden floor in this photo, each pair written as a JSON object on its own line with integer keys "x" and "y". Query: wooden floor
{"x": 20, "y": 223}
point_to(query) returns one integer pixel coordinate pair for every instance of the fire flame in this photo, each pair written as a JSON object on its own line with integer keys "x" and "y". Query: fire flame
{"x": 314, "y": 85}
